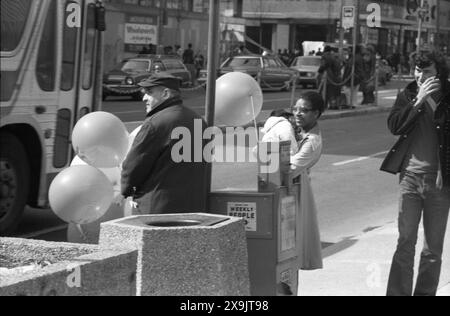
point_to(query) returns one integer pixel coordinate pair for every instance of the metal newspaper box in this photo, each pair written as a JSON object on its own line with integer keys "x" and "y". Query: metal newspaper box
{"x": 271, "y": 224}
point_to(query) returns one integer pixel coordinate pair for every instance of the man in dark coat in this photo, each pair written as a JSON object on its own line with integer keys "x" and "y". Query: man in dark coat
{"x": 421, "y": 117}
{"x": 153, "y": 166}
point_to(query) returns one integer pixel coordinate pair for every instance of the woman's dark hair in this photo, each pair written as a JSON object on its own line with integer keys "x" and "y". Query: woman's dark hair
{"x": 281, "y": 113}
{"x": 426, "y": 59}
{"x": 315, "y": 100}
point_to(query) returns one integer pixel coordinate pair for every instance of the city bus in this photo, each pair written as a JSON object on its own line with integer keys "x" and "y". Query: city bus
{"x": 51, "y": 66}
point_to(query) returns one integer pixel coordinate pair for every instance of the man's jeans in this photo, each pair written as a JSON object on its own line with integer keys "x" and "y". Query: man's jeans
{"x": 419, "y": 194}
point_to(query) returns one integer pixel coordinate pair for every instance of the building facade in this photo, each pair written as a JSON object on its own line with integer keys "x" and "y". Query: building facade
{"x": 132, "y": 25}
{"x": 268, "y": 24}
{"x": 286, "y": 24}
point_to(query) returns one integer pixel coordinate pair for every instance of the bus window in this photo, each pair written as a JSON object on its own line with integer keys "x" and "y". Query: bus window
{"x": 14, "y": 15}
{"x": 46, "y": 62}
{"x": 89, "y": 48}
{"x": 70, "y": 40}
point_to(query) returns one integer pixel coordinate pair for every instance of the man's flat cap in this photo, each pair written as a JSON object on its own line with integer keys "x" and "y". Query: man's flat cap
{"x": 161, "y": 79}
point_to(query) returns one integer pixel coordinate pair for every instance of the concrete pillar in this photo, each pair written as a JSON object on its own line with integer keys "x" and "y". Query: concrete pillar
{"x": 282, "y": 37}
{"x": 184, "y": 254}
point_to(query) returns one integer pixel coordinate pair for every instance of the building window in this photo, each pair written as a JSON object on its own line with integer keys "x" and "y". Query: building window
{"x": 70, "y": 39}
{"x": 46, "y": 61}
{"x": 89, "y": 48}
{"x": 14, "y": 15}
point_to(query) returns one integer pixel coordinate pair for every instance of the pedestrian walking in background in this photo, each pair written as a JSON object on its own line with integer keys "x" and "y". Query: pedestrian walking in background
{"x": 357, "y": 76}
{"x": 199, "y": 62}
{"x": 189, "y": 61}
{"x": 331, "y": 65}
{"x": 150, "y": 170}
{"x": 179, "y": 51}
{"x": 368, "y": 79}
{"x": 421, "y": 117}
{"x": 307, "y": 111}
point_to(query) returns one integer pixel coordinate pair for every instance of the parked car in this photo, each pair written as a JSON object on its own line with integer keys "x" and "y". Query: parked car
{"x": 308, "y": 69}
{"x": 124, "y": 78}
{"x": 270, "y": 70}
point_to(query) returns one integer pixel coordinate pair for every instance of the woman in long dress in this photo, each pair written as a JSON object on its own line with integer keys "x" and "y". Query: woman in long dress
{"x": 307, "y": 111}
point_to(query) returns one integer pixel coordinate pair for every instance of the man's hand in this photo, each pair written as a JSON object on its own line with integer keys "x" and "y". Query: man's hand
{"x": 430, "y": 86}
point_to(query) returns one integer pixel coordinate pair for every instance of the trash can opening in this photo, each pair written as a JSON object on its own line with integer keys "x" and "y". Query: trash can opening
{"x": 177, "y": 223}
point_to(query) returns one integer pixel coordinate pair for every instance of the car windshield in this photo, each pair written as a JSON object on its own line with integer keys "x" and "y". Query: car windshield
{"x": 305, "y": 61}
{"x": 135, "y": 66}
{"x": 243, "y": 62}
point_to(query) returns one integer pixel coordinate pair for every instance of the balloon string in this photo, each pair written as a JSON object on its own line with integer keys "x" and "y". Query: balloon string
{"x": 254, "y": 119}
{"x": 83, "y": 235}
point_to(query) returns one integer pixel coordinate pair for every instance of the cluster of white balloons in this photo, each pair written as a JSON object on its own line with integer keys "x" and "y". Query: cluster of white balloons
{"x": 83, "y": 193}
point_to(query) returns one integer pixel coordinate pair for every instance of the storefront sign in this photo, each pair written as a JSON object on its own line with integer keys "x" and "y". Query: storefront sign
{"x": 140, "y": 34}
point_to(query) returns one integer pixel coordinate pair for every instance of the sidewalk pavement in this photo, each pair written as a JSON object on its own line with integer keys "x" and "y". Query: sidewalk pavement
{"x": 359, "y": 266}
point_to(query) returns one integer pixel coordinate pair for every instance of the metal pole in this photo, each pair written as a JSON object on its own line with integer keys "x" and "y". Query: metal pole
{"x": 438, "y": 26}
{"x": 377, "y": 69}
{"x": 213, "y": 45}
{"x": 161, "y": 25}
{"x": 355, "y": 39}
{"x": 294, "y": 86}
{"x": 419, "y": 35}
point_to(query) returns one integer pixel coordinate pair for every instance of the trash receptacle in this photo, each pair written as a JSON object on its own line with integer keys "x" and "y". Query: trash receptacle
{"x": 184, "y": 254}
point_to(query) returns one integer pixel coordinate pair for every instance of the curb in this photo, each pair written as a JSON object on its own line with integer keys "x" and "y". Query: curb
{"x": 326, "y": 116}
{"x": 356, "y": 112}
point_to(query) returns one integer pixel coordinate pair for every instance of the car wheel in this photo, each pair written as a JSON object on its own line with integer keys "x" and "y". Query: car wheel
{"x": 14, "y": 182}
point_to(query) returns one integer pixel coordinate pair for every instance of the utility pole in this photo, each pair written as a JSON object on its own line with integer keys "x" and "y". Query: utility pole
{"x": 421, "y": 16}
{"x": 341, "y": 32}
{"x": 162, "y": 14}
{"x": 213, "y": 59}
{"x": 355, "y": 42}
{"x": 437, "y": 40}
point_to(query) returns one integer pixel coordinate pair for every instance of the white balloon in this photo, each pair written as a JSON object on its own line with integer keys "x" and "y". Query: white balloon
{"x": 235, "y": 93}
{"x": 113, "y": 174}
{"x": 80, "y": 194}
{"x": 101, "y": 140}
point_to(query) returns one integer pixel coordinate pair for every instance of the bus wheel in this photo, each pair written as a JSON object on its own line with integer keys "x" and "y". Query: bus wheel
{"x": 14, "y": 182}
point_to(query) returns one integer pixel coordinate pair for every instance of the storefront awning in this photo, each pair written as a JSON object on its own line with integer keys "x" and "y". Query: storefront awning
{"x": 240, "y": 37}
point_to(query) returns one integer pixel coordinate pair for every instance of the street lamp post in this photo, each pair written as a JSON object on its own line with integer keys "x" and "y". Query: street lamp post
{"x": 421, "y": 17}
{"x": 438, "y": 25}
{"x": 162, "y": 14}
{"x": 355, "y": 42}
{"x": 213, "y": 59}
